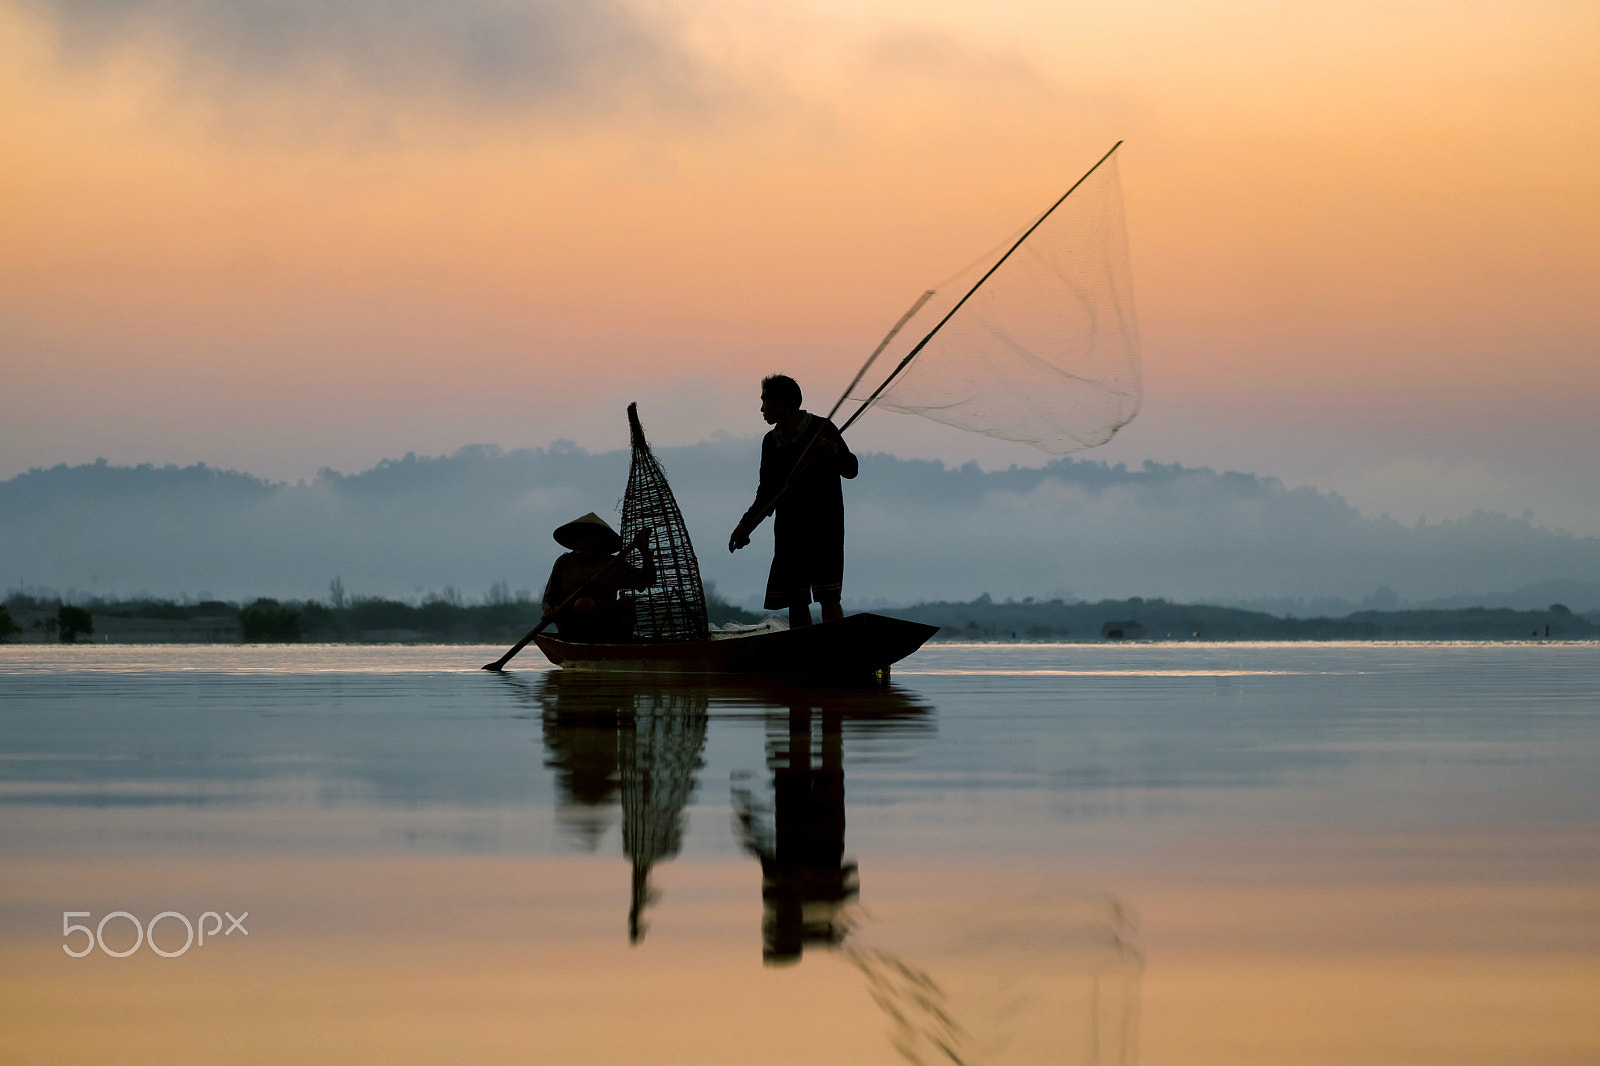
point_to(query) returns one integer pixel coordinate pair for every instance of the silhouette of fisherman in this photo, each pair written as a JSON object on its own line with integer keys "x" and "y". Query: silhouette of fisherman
{"x": 803, "y": 457}
{"x": 595, "y": 617}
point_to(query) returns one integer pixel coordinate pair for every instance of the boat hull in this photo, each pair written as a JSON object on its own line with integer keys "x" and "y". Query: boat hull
{"x": 861, "y": 646}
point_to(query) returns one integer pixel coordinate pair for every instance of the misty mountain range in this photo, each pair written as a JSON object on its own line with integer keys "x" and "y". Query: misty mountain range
{"x": 917, "y": 531}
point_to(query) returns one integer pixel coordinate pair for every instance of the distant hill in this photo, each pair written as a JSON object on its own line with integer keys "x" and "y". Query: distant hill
{"x": 457, "y": 525}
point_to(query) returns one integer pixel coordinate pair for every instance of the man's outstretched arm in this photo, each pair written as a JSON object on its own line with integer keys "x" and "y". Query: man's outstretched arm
{"x": 765, "y": 493}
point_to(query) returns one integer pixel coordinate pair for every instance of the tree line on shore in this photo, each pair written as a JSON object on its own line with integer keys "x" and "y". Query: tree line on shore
{"x": 340, "y": 619}
{"x": 505, "y": 617}
{"x": 1158, "y": 619}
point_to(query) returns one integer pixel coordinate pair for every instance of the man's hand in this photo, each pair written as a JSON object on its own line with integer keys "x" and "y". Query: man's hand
{"x": 739, "y": 539}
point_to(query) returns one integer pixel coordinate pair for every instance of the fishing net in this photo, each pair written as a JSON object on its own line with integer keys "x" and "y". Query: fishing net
{"x": 674, "y": 608}
{"x": 1045, "y": 349}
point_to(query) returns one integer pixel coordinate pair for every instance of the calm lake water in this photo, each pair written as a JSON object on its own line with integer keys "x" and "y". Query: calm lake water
{"x": 1190, "y": 853}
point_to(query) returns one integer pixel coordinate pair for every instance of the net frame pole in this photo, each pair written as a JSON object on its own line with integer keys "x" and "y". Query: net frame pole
{"x": 873, "y": 358}
{"x": 962, "y": 302}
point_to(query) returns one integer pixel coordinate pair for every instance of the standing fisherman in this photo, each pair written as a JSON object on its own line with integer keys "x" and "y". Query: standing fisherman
{"x": 802, "y": 459}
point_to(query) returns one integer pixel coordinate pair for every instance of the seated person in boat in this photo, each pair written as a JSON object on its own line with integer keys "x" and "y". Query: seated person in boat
{"x": 803, "y": 458}
{"x": 596, "y": 616}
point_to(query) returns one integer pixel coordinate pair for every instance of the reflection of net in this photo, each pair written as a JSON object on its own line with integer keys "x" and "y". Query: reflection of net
{"x": 675, "y": 607}
{"x": 920, "y": 1026}
{"x": 1046, "y": 980}
{"x": 1046, "y": 350}
{"x": 658, "y": 756}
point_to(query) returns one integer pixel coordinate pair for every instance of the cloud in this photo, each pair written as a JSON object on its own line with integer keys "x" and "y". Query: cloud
{"x": 554, "y": 54}
{"x": 924, "y": 54}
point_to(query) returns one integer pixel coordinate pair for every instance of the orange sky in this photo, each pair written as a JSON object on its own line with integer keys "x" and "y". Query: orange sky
{"x": 1364, "y": 236}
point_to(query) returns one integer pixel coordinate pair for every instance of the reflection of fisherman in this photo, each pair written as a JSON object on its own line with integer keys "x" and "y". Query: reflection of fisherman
{"x": 805, "y": 879}
{"x": 580, "y": 741}
{"x": 802, "y": 459}
{"x": 594, "y": 617}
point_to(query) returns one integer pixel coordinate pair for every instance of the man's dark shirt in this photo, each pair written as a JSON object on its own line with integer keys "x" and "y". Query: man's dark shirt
{"x": 808, "y": 523}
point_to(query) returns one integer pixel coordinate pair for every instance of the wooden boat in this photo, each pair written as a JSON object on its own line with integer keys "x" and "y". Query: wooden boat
{"x": 859, "y": 646}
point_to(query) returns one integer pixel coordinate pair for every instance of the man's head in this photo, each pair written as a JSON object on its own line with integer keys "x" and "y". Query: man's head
{"x": 780, "y": 395}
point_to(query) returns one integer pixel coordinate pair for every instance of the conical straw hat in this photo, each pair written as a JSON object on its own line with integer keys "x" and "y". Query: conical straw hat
{"x": 591, "y": 532}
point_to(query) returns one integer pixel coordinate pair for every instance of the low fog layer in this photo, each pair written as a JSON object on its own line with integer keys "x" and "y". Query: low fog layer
{"x": 916, "y": 531}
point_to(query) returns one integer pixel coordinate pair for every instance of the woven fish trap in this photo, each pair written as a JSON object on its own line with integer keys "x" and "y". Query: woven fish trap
{"x": 674, "y": 608}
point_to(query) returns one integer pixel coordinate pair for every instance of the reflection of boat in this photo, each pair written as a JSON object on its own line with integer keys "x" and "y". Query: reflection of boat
{"x": 859, "y": 646}
{"x": 615, "y": 740}
{"x": 594, "y": 698}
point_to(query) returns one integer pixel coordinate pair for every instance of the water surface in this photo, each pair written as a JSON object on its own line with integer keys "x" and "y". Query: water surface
{"x": 1188, "y": 853}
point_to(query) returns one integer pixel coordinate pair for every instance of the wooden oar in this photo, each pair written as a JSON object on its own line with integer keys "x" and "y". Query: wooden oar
{"x": 638, "y": 541}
